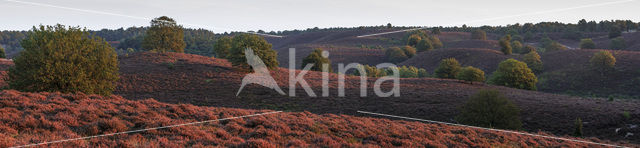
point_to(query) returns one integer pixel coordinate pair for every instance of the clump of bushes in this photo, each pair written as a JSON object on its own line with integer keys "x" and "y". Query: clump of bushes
{"x": 317, "y": 60}
{"x": 517, "y": 46}
{"x": 618, "y": 43}
{"x": 587, "y": 44}
{"x": 578, "y": 130}
{"x": 528, "y": 49}
{"x": 68, "y": 60}
{"x": 2, "y": 53}
{"x": 471, "y": 74}
{"x": 448, "y": 69}
{"x": 424, "y": 45}
{"x": 260, "y": 47}
{"x": 551, "y": 45}
{"x": 515, "y": 74}
{"x": 533, "y": 61}
{"x": 404, "y": 72}
{"x": 479, "y": 34}
{"x": 396, "y": 55}
{"x": 423, "y": 41}
{"x": 409, "y": 51}
{"x": 603, "y": 61}
{"x": 489, "y": 108}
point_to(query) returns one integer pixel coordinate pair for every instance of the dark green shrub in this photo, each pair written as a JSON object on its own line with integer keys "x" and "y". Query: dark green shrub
{"x": 448, "y": 69}
{"x": 413, "y": 40}
{"x": 435, "y": 41}
{"x": 435, "y": 30}
{"x": 2, "y": 53}
{"x": 68, "y": 60}
{"x": 479, "y": 34}
{"x": 587, "y": 44}
{"x": 222, "y": 47}
{"x": 517, "y": 46}
{"x": 578, "y": 131}
{"x": 618, "y": 43}
{"x": 533, "y": 61}
{"x": 395, "y": 55}
{"x": 555, "y": 46}
{"x": 515, "y": 74}
{"x": 471, "y": 74}
{"x": 424, "y": 45}
{"x": 409, "y": 51}
{"x": 164, "y": 35}
{"x": 371, "y": 71}
{"x": 602, "y": 61}
{"x": 528, "y": 49}
{"x": 260, "y": 47}
{"x": 489, "y": 108}
{"x": 505, "y": 45}
{"x": 615, "y": 31}
{"x": 317, "y": 60}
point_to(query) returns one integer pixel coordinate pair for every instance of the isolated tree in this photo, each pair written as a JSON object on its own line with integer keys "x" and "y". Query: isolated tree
{"x": 491, "y": 109}
{"x": 546, "y": 42}
{"x": 448, "y": 69}
{"x": 389, "y": 25}
{"x": 164, "y": 35}
{"x": 222, "y": 47}
{"x": 615, "y": 31}
{"x": 371, "y": 71}
{"x": 413, "y": 40}
{"x": 517, "y": 46}
{"x": 435, "y": 41}
{"x": 395, "y": 55}
{"x": 587, "y": 44}
{"x": 618, "y": 43}
{"x": 68, "y": 60}
{"x": 479, "y": 34}
{"x": 471, "y": 74}
{"x": 527, "y": 49}
{"x": 505, "y": 45}
{"x": 2, "y": 53}
{"x": 409, "y": 51}
{"x": 260, "y": 47}
{"x": 422, "y": 73}
{"x": 424, "y": 45}
{"x": 578, "y": 130}
{"x": 317, "y": 60}
{"x": 603, "y": 61}
{"x": 533, "y": 61}
{"x": 515, "y": 74}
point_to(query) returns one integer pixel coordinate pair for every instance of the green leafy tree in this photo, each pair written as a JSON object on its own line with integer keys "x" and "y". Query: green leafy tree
{"x": 489, "y": 108}
{"x": 164, "y": 35}
{"x": 533, "y": 61}
{"x": 436, "y": 30}
{"x": 479, "y": 34}
{"x": 424, "y": 45}
{"x": 409, "y": 51}
{"x": 448, "y": 69}
{"x": 546, "y": 42}
{"x": 371, "y": 71}
{"x": 505, "y": 45}
{"x": 222, "y": 47}
{"x": 603, "y": 61}
{"x": 395, "y": 55}
{"x": 260, "y": 47}
{"x": 471, "y": 74}
{"x": 422, "y": 73}
{"x": 317, "y": 59}
{"x": 587, "y": 44}
{"x": 515, "y": 74}
{"x": 618, "y": 43}
{"x": 517, "y": 46}
{"x": 413, "y": 40}
{"x": 68, "y": 60}
{"x": 2, "y": 53}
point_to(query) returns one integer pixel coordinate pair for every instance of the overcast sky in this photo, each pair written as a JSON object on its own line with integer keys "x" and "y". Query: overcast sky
{"x": 268, "y": 15}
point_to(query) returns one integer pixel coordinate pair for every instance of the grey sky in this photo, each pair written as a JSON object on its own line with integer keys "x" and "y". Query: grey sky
{"x": 245, "y": 15}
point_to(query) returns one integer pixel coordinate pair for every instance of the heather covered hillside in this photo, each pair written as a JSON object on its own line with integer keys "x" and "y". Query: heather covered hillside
{"x": 27, "y": 118}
